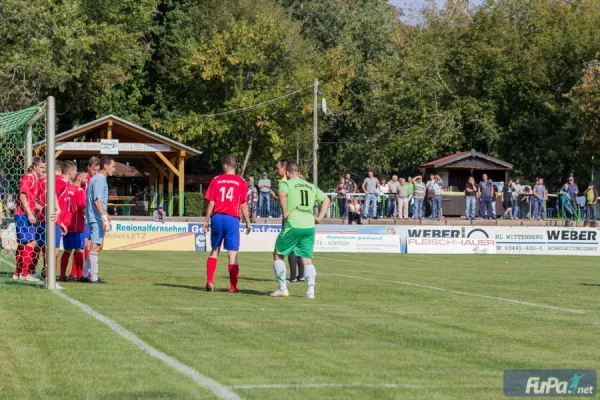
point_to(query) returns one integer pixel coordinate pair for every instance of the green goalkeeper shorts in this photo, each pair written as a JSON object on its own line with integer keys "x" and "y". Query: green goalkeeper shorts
{"x": 300, "y": 241}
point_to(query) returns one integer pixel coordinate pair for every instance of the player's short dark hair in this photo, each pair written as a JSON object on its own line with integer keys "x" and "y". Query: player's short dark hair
{"x": 104, "y": 161}
{"x": 37, "y": 160}
{"x": 93, "y": 161}
{"x": 293, "y": 168}
{"x": 68, "y": 165}
{"x": 230, "y": 160}
{"x": 283, "y": 162}
{"x": 58, "y": 166}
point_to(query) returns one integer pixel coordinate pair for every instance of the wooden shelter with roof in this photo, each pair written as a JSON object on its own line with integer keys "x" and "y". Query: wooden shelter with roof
{"x": 158, "y": 157}
{"x": 455, "y": 169}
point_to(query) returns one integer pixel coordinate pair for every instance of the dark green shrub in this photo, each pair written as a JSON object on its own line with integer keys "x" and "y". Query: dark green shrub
{"x": 193, "y": 204}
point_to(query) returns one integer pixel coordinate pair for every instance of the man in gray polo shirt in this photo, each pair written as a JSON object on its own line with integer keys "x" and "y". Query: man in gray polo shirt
{"x": 264, "y": 188}
{"x": 370, "y": 187}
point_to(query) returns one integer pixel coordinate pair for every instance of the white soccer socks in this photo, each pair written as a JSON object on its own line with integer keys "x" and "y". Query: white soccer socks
{"x": 310, "y": 273}
{"x": 279, "y": 269}
{"x": 93, "y": 260}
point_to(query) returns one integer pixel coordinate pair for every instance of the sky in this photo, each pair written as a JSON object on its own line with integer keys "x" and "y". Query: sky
{"x": 420, "y": 3}
{"x": 415, "y": 5}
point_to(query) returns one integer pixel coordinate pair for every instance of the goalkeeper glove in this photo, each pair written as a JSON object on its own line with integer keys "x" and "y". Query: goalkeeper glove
{"x": 106, "y": 223}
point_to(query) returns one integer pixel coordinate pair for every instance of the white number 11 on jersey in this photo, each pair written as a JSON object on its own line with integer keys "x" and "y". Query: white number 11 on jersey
{"x": 228, "y": 196}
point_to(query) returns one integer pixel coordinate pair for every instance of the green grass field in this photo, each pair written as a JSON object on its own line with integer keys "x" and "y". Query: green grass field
{"x": 365, "y": 336}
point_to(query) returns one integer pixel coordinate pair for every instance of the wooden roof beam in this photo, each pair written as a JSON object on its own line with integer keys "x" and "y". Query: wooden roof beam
{"x": 167, "y": 162}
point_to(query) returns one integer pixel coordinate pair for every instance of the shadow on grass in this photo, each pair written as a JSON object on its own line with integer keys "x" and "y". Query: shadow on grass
{"x": 241, "y": 278}
{"x": 202, "y": 289}
{"x": 590, "y": 284}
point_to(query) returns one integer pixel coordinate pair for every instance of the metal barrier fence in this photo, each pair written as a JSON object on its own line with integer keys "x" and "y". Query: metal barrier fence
{"x": 273, "y": 210}
{"x": 525, "y": 209}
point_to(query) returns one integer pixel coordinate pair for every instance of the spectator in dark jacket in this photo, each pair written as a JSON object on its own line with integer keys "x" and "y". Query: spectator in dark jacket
{"x": 507, "y": 200}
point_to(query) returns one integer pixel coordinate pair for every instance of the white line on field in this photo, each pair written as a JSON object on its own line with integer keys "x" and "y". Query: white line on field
{"x": 222, "y": 392}
{"x": 482, "y": 296}
{"x": 362, "y": 385}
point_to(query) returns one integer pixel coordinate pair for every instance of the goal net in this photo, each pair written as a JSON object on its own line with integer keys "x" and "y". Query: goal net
{"x": 18, "y": 130}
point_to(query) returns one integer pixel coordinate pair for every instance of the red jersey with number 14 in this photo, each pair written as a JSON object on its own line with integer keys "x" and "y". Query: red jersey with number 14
{"x": 229, "y": 192}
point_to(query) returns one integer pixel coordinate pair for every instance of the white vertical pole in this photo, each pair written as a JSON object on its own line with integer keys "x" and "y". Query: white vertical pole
{"x": 316, "y": 133}
{"x": 50, "y": 194}
{"x": 29, "y": 147}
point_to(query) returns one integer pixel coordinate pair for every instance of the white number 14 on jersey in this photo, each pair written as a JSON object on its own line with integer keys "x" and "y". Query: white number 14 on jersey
{"x": 228, "y": 195}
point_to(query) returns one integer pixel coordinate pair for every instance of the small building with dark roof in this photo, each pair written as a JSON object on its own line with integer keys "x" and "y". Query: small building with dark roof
{"x": 455, "y": 169}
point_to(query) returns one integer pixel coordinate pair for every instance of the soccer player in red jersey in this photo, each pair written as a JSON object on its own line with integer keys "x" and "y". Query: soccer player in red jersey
{"x": 25, "y": 219}
{"x": 226, "y": 194}
{"x": 75, "y": 239}
{"x": 63, "y": 172}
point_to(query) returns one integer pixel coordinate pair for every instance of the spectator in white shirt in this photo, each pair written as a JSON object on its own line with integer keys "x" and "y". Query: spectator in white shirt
{"x": 354, "y": 212}
{"x": 384, "y": 191}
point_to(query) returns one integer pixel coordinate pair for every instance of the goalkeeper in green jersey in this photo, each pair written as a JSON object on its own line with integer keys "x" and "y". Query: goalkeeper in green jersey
{"x": 297, "y": 199}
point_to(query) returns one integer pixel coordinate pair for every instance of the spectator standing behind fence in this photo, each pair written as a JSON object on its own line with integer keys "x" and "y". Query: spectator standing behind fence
{"x": 351, "y": 185}
{"x": 429, "y": 186}
{"x": 383, "y": 198}
{"x": 341, "y": 190}
{"x": 411, "y": 192}
{"x": 252, "y": 198}
{"x": 470, "y": 199}
{"x": 10, "y": 206}
{"x": 370, "y": 187}
{"x": 264, "y": 187}
{"x": 507, "y": 200}
{"x": 394, "y": 188}
{"x": 434, "y": 192}
{"x": 418, "y": 197}
{"x": 403, "y": 199}
{"x": 573, "y": 192}
{"x": 517, "y": 189}
{"x": 540, "y": 196}
{"x": 591, "y": 198}
{"x": 565, "y": 203}
{"x": 354, "y": 212}
{"x": 485, "y": 190}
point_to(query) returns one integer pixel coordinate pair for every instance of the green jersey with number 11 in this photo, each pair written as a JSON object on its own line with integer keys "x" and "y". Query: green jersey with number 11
{"x": 300, "y": 200}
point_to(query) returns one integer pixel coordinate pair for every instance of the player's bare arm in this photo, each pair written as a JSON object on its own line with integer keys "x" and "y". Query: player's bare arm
{"x": 25, "y": 205}
{"x": 56, "y": 213}
{"x": 324, "y": 208}
{"x": 209, "y": 210}
{"x": 283, "y": 205}
{"x": 246, "y": 216}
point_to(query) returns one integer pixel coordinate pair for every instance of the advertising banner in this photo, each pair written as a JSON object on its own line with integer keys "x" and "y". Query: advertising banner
{"x": 360, "y": 238}
{"x": 171, "y": 236}
{"x": 450, "y": 246}
{"x": 540, "y": 240}
{"x": 182, "y": 236}
{"x": 353, "y": 243}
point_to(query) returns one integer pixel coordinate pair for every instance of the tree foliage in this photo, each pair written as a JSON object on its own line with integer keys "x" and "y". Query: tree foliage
{"x": 515, "y": 79}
